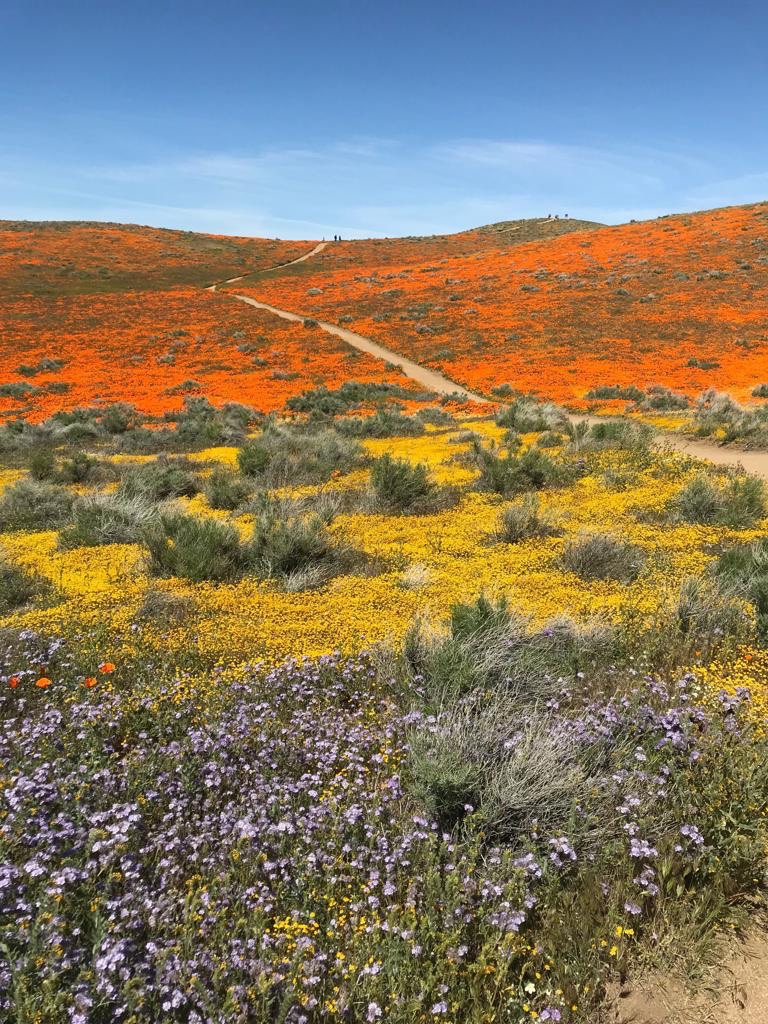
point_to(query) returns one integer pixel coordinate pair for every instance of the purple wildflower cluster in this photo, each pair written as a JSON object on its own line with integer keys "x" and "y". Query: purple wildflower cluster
{"x": 157, "y": 866}
{"x": 257, "y": 857}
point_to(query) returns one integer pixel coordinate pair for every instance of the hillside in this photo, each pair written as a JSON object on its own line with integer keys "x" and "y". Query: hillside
{"x": 418, "y": 249}
{"x": 48, "y": 258}
{"x": 107, "y": 312}
{"x": 383, "y": 707}
{"x": 680, "y": 301}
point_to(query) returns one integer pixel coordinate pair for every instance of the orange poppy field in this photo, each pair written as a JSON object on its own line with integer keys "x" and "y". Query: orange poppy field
{"x": 155, "y": 348}
{"x": 69, "y": 258}
{"x": 680, "y": 301}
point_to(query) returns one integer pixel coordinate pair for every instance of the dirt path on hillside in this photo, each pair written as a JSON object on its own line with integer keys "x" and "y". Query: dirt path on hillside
{"x": 278, "y": 266}
{"x": 430, "y": 379}
{"x": 755, "y": 462}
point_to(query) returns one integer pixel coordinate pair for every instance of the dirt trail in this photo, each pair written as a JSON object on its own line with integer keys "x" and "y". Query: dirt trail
{"x": 734, "y": 993}
{"x": 231, "y": 280}
{"x": 430, "y": 379}
{"x": 755, "y": 462}
{"x": 742, "y": 992}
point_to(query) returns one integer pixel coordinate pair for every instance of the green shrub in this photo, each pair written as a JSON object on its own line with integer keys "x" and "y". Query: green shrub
{"x": 194, "y": 548}
{"x": 283, "y": 543}
{"x": 524, "y": 521}
{"x": 253, "y": 458}
{"x": 162, "y": 478}
{"x": 34, "y": 505}
{"x": 322, "y": 402}
{"x": 739, "y": 503}
{"x": 491, "y": 648}
{"x": 435, "y": 416}
{"x": 45, "y": 365}
{"x": 515, "y": 474}
{"x": 549, "y": 439}
{"x": 42, "y": 464}
{"x": 119, "y": 417}
{"x": 600, "y": 556}
{"x": 515, "y": 772}
{"x": 630, "y": 393}
{"x": 78, "y": 469}
{"x": 18, "y": 389}
{"x": 526, "y": 416}
{"x": 698, "y": 502}
{"x": 107, "y": 519}
{"x": 701, "y": 617}
{"x": 662, "y": 399}
{"x": 384, "y": 423}
{"x": 624, "y": 435}
{"x": 744, "y": 502}
{"x": 227, "y": 490}
{"x": 401, "y": 486}
{"x": 743, "y": 570}
{"x": 19, "y": 587}
{"x": 285, "y": 455}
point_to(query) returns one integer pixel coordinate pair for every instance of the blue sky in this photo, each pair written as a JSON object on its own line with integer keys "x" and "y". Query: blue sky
{"x": 310, "y": 118}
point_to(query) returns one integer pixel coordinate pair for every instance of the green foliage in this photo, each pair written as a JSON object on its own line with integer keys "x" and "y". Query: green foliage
{"x": 283, "y": 543}
{"x": 107, "y": 519}
{"x": 610, "y": 392}
{"x": 491, "y": 648}
{"x": 193, "y": 547}
{"x": 225, "y": 489}
{"x": 739, "y": 503}
{"x": 78, "y": 469}
{"x": 624, "y": 435}
{"x": 401, "y": 486}
{"x": 384, "y": 423}
{"x": 601, "y": 556}
{"x": 19, "y": 587}
{"x": 119, "y": 417}
{"x": 524, "y": 521}
{"x": 162, "y": 478}
{"x": 514, "y": 474}
{"x": 253, "y": 458}
{"x": 42, "y": 464}
{"x": 34, "y": 505}
{"x": 322, "y": 402}
{"x": 526, "y": 416}
{"x": 284, "y": 455}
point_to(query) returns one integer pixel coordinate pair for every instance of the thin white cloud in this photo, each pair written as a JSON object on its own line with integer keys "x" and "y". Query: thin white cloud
{"x": 374, "y": 186}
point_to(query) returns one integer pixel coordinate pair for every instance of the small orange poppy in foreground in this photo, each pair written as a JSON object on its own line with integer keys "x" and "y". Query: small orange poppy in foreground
{"x": 13, "y": 682}
{"x": 43, "y": 681}
{"x": 89, "y": 681}
{"x": 106, "y": 667}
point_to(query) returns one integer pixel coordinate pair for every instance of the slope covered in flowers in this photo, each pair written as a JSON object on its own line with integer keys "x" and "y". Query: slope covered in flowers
{"x": 154, "y": 348}
{"x": 72, "y": 258}
{"x": 681, "y": 301}
{"x": 418, "y": 249}
{"x": 457, "y": 778}
{"x": 452, "y": 554}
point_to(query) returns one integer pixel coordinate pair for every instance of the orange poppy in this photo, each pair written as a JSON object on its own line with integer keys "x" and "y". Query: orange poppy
{"x": 106, "y": 667}
{"x": 13, "y": 682}
{"x": 43, "y": 681}
{"x": 89, "y": 681}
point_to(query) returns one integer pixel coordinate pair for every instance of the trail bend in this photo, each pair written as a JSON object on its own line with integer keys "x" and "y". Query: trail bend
{"x": 755, "y": 462}
{"x": 278, "y": 266}
{"x": 430, "y": 379}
